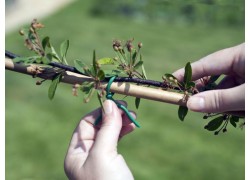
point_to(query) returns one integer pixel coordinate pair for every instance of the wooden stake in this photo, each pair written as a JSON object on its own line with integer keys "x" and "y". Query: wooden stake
{"x": 116, "y": 87}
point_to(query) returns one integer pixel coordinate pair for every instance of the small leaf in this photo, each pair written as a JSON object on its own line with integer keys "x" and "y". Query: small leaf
{"x": 134, "y": 56}
{"x": 87, "y": 86}
{"x": 45, "y": 60}
{"x": 190, "y": 84}
{"x": 54, "y": 54}
{"x": 63, "y": 50}
{"x": 51, "y": 57}
{"x": 106, "y": 61}
{"x": 233, "y": 123}
{"x": 212, "y": 79}
{"x": 94, "y": 64}
{"x": 100, "y": 99}
{"x": 53, "y": 86}
{"x": 110, "y": 73}
{"x": 101, "y": 75}
{"x": 144, "y": 72}
{"x": 27, "y": 60}
{"x": 139, "y": 64}
{"x": 89, "y": 95}
{"x": 233, "y": 120}
{"x": 214, "y": 124}
{"x": 21, "y": 59}
{"x": 188, "y": 73}
{"x": 79, "y": 65}
{"x": 137, "y": 102}
{"x": 45, "y": 42}
{"x": 170, "y": 75}
{"x": 182, "y": 112}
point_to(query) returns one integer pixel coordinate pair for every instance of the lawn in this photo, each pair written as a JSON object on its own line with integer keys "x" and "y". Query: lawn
{"x": 38, "y": 130}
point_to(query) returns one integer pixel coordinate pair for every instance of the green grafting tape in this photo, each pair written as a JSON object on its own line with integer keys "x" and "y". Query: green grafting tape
{"x": 110, "y": 97}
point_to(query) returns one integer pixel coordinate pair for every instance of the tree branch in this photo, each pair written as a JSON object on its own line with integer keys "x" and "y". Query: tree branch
{"x": 121, "y": 86}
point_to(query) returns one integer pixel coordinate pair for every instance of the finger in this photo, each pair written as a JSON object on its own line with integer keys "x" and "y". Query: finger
{"x": 229, "y": 82}
{"x": 125, "y": 118}
{"x": 227, "y": 61}
{"x": 127, "y": 125}
{"x": 85, "y": 130}
{"x": 107, "y": 136}
{"x": 127, "y": 129}
{"x": 218, "y": 100}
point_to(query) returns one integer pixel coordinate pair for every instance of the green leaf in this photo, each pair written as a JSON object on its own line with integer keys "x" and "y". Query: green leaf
{"x": 182, "y": 112}
{"x": 106, "y": 61}
{"x": 94, "y": 64}
{"x": 45, "y": 60}
{"x": 101, "y": 75}
{"x": 137, "y": 102}
{"x": 87, "y": 86}
{"x": 63, "y": 50}
{"x": 51, "y": 57}
{"x": 54, "y": 54}
{"x": 134, "y": 57}
{"x": 139, "y": 64}
{"x": 190, "y": 84}
{"x": 144, "y": 72}
{"x": 188, "y": 73}
{"x": 45, "y": 42}
{"x": 79, "y": 65}
{"x": 89, "y": 95}
{"x": 233, "y": 120}
{"x": 214, "y": 124}
{"x": 167, "y": 75}
{"x": 212, "y": 79}
{"x": 27, "y": 60}
{"x": 53, "y": 86}
{"x": 100, "y": 99}
{"x": 233, "y": 123}
{"x": 110, "y": 73}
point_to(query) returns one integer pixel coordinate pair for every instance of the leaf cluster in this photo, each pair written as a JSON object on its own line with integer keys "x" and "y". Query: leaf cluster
{"x": 220, "y": 122}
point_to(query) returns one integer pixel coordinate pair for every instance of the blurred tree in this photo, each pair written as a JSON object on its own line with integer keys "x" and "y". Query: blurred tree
{"x": 211, "y": 12}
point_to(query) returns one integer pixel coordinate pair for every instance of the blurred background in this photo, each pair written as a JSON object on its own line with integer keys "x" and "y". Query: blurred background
{"x": 173, "y": 32}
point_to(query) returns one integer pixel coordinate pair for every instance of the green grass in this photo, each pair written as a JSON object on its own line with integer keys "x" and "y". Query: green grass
{"x": 38, "y": 130}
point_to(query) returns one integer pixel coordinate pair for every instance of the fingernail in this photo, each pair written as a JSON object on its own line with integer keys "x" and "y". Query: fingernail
{"x": 107, "y": 105}
{"x": 196, "y": 103}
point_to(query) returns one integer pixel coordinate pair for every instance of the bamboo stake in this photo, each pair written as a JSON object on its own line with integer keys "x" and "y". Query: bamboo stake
{"x": 116, "y": 87}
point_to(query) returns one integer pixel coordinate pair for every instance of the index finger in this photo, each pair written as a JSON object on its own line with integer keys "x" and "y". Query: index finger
{"x": 226, "y": 61}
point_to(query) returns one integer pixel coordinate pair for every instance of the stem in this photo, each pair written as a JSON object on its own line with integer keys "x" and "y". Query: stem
{"x": 117, "y": 79}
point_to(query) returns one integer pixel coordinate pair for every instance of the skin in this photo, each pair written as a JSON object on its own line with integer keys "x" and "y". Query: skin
{"x": 230, "y": 93}
{"x": 92, "y": 153}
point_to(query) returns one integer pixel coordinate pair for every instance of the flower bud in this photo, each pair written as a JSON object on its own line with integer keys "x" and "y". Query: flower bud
{"x": 115, "y": 48}
{"x": 139, "y": 45}
{"x": 170, "y": 78}
{"x": 38, "y": 83}
{"x": 21, "y": 32}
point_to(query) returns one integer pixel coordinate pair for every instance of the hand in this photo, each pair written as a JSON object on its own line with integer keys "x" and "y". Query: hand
{"x": 230, "y": 93}
{"x": 92, "y": 152}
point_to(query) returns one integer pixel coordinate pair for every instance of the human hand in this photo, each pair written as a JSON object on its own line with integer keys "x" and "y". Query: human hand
{"x": 230, "y": 93}
{"x": 92, "y": 153}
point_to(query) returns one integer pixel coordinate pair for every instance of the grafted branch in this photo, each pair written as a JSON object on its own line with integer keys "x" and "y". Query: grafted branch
{"x": 125, "y": 88}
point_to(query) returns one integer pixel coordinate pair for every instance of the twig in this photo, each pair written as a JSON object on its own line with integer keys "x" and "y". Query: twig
{"x": 117, "y": 79}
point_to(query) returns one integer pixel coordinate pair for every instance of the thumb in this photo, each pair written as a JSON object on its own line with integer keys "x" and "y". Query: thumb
{"x": 108, "y": 135}
{"x": 213, "y": 101}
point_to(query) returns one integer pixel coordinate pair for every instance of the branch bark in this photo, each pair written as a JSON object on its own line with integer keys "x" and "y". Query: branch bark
{"x": 124, "y": 88}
